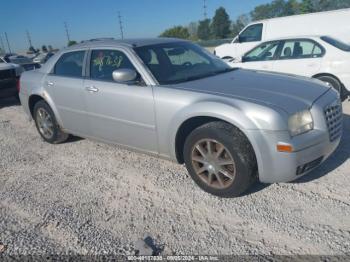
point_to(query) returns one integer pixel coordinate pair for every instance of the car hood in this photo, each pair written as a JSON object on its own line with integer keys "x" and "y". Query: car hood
{"x": 288, "y": 92}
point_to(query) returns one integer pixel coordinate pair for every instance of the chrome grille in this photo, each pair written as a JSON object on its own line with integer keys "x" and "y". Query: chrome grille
{"x": 334, "y": 120}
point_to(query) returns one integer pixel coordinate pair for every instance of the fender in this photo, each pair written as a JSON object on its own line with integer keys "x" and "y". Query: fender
{"x": 218, "y": 110}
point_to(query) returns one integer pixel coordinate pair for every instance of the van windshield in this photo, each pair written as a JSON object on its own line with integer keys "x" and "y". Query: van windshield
{"x": 336, "y": 43}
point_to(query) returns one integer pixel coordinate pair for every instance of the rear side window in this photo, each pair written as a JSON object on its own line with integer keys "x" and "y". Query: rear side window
{"x": 296, "y": 49}
{"x": 104, "y": 62}
{"x": 252, "y": 33}
{"x": 70, "y": 64}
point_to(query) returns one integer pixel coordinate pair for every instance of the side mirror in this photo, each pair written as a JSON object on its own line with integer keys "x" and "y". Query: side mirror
{"x": 124, "y": 75}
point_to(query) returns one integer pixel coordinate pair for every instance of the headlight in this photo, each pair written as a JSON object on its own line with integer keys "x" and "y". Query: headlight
{"x": 300, "y": 123}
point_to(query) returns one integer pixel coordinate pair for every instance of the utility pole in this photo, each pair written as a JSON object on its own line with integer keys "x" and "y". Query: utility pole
{"x": 205, "y": 9}
{"x": 8, "y": 44}
{"x": 67, "y": 32}
{"x": 2, "y": 44}
{"x": 121, "y": 25}
{"x": 29, "y": 39}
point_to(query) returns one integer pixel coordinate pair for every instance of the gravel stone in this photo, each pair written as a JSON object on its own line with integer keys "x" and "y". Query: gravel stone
{"x": 85, "y": 197}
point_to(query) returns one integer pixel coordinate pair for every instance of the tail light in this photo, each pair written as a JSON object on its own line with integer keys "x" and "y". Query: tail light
{"x": 18, "y": 84}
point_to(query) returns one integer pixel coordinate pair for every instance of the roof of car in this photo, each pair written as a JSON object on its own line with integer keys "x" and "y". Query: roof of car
{"x": 125, "y": 42}
{"x": 295, "y": 37}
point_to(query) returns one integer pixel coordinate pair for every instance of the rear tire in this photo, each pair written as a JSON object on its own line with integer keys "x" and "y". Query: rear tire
{"x": 334, "y": 83}
{"x": 225, "y": 174}
{"x": 46, "y": 124}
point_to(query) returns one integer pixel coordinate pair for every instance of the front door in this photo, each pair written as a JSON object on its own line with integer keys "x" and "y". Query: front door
{"x": 120, "y": 113}
{"x": 261, "y": 57}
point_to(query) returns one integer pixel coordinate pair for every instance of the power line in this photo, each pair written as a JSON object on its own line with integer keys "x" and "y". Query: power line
{"x": 205, "y": 14}
{"x": 121, "y": 25}
{"x": 2, "y": 44}
{"x": 8, "y": 43}
{"x": 67, "y": 32}
{"x": 29, "y": 39}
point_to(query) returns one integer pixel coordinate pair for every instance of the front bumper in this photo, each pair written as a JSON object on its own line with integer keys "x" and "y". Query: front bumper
{"x": 310, "y": 149}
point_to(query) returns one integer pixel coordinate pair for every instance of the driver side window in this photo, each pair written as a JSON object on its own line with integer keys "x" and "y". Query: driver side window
{"x": 263, "y": 52}
{"x": 252, "y": 33}
{"x": 104, "y": 62}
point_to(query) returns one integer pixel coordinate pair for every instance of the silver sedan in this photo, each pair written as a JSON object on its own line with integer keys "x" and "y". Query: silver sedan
{"x": 173, "y": 99}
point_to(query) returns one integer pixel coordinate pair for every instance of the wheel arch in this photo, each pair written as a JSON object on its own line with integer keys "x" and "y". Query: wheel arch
{"x": 34, "y": 98}
{"x": 193, "y": 122}
{"x": 333, "y": 76}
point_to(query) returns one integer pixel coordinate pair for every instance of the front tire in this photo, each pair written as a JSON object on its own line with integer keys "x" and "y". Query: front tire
{"x": 220, "y": 159}
{"x": 46, "y": 124}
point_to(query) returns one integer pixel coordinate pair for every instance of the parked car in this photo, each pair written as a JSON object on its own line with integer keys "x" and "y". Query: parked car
{"x": 173, "y": 99}
{"x": 9, "y": 79}
{"x": 23, "y": 61}
{"x": 321, "y": 57}
{"x": 305, "y": 24}
{"x": 42, "y": 58}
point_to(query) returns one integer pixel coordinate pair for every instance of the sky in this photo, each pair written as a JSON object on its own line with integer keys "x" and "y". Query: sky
{"x": 86, "y": 19}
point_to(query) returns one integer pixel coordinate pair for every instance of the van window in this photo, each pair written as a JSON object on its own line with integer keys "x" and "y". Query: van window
{"x": 296, "y": 49}
{"x": 263, "y": 52}
{"x": 252, "y": 33}
{"x": 70, "y": 64}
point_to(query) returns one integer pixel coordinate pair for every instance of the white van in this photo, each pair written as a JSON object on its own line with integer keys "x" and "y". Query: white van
{"x": 331, "y": 23}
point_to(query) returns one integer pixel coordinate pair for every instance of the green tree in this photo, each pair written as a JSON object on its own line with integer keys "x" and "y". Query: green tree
{"x": 176, "y": 31}
{"x": 239, "y": 24}
{"x": 192, "y": 30}
{"x": 220, "y": 26}
{"x": 203, "y": 31}
{"x": 307, "y": 6}
{"x": 72, "y": 42}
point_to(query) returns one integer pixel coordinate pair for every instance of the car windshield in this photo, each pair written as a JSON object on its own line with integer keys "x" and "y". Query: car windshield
{"x": 179, "y": 62}
{"x": 336, "y": 43}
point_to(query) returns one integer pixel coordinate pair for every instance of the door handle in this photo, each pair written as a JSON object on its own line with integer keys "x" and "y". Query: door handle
{"x": 49, "y": 84}
{"x": 91, "y": 89}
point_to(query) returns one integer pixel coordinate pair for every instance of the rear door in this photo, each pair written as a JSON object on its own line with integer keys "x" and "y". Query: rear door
{"x": 300, "y": 57}
{"x": 65, "y": 86}
{"x": 120, "y": 113}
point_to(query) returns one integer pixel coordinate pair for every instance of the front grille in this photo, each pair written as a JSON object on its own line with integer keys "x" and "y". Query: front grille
{"x": 7, "y": 74}
{"x": 334, "y": 120}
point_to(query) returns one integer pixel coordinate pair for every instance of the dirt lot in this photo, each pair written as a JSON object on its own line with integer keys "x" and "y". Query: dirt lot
{"x": 90, "y": 198}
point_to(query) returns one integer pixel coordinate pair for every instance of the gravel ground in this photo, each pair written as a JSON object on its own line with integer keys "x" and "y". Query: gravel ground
{"x": 84, "y": 197}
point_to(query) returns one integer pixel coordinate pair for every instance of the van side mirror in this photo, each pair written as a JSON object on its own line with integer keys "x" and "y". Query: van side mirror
{"x": 124, "y": 75}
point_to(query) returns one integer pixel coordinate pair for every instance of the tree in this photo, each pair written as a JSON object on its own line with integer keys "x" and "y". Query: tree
{"x": 176, "y": 31}
{"x": 220, "y": 27}
{"x": 307, "y": 6}
{"x": 50, "y": 48}
{"x": 44, "y": 48}
{"x": 72, "y": 42}
{"x": 192, "y": 30}
{"x": 203, "y": 31}
{"x": 239, "y": 24}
